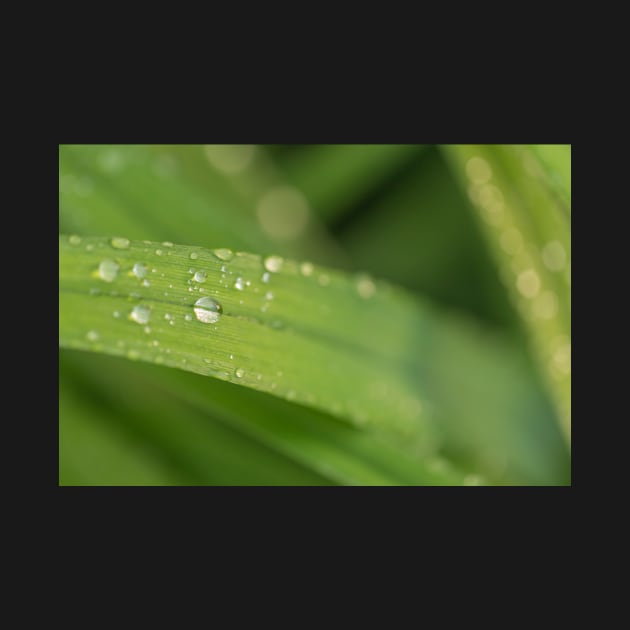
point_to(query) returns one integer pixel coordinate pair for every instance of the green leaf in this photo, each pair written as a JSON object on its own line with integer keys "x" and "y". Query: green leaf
{"x": 528, "y": 227}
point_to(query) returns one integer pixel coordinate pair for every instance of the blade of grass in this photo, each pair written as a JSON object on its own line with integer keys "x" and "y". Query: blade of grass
{"x": 390, "y": 348}
{"x": 529, "y": 232}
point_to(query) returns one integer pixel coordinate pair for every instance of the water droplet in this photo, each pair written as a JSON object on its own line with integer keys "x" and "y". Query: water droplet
{"x": 74, "y": 240}
{"x": 291, "y": 395}
{"x": 231, "y": 356}
{"x": 133, "y": 354}
{"x": 159, "y": 252}
{"x": 116, "y": 314}
{"x": 172, "y": 322}
{"x": 167, "y": 244}
{"x": 140, "y": 314}
{"x": 146, "y": 283}
{"x": 188, "y": 317}
{"x": 147, "y": 330}
{"x": 269, "y": 295}
{"x": 207, "y": 310}
{"x": 554, "y": 256}
{"x": 92, "y": 335}
{"x": 265, "y": 277}
{"x": 239, "y": 284}
{"x": 323, "y": 280}
{"x": 306, "y": 268}
{"x": 194, "y": 255}
{"x": 89, "y": 247}
{"x": 119, "y": 242}
{"x": 223, "y": 254}
{"x": 168, "y": 316}
{"x": 155, "y": 343}
{"x": 108, "y": 270}
{"x": 528, "y": 283}
{"x": 200, "y": 276}
{"x": 365, "y": 287}
{"x": 239, "y": 372}
{"x": 273, "y": 263}
{"x": 139, "y": 270}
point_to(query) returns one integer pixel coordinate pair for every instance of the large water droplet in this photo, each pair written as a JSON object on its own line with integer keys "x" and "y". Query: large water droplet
{"x": 239, "y": 372}
{"x": 119, "y": 242}
{"x": 140, "y": 314}
{"x": 239, "y": 284}
{"x": 200, "y": 276}
{"x": 108, "y": 270}
{"x": 207, "y": 310}
{"x": 139, "y": 270}
{"x": 223, "y": 253}
{"x": 273, "y": 263}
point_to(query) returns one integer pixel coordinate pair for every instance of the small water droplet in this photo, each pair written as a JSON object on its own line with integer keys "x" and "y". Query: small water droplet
{"x": 146, "y": 283}
{"x": 269, "y": 295}
{"x": 265, "y": 277}
{"x": 239, "y": 372}
{"x": 147, "y": 329}
{"x": 139, "y": 270}
{"x": 167, "y": 244}
{"x": 133, "y": 354}
{"x": 89, "y": 247}
{"x": 223, "y": 254}
{"x": 119, "y": 242}
{"x": 273, "y": 263}
{"x": 194, "y": 255}
{"x": 168, "y": 316}
{"x": 116, "y": 314}
{"x": 231, "y": 356}
{"x": 239, "y": 284}
{"x": 74, "y": 240}
{"x": 108, "y": 270}
{"x": 92, "y": 335}
{"x": 188, "y": 317}
{"x": 172, "y": 322}
{"x": 159, "y": 252}
{"x": 291, "y": 395}
{"x": 155, "y": 343}
{"x": 140, "y": 314}
{"x": 207, "y": 310}
{"x": 306, "y": 268}
{"x": 200, "y": 276}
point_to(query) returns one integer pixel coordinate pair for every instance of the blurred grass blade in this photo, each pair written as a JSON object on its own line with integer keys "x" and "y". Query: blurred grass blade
{"x": 529, "y": 229}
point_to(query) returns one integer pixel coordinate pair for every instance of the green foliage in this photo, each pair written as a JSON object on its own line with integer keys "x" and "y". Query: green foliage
{"x": 319, "y": 373}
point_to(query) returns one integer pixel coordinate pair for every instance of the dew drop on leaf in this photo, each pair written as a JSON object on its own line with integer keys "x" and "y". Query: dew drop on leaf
{"x": 140, "y": 314}
{"x": 119, "y": 242}
{"x": 108, "y": 270}
{"x": 273, "y": 263}
{"x": 207, "y": 310}
{"x": 223, "y": 254}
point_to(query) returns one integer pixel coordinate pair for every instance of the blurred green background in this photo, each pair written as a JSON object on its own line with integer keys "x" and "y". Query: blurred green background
{"x": 399, "y": 212}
